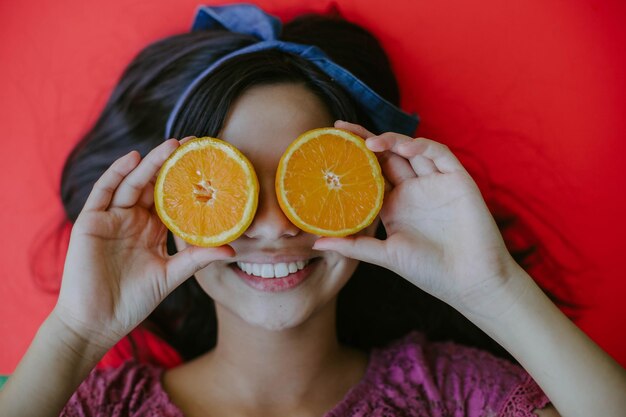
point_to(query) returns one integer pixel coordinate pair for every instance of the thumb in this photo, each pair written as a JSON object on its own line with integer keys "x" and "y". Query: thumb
{"x": 190, "y": 260}
{"x": 362, "y": 248}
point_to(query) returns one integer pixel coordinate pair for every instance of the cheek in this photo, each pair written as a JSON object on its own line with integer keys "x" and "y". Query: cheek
{"x": 338, "y": 271}
{"x": 211, "y": 279}
{"x": 343, "y": 267}
{"x": 348, "y": 267}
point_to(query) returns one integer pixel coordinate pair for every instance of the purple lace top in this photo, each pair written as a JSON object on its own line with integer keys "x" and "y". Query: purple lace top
{"x": 411, "y": 377}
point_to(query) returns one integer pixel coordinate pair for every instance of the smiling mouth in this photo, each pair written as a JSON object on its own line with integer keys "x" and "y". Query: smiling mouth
{"x": 272, "y": 271}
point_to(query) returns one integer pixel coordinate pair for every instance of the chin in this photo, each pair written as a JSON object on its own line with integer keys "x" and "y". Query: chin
{"x": 276, "y": 317}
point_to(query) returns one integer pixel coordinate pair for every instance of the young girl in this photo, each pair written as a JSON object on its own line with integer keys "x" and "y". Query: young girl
{"x": 339, "y": 343}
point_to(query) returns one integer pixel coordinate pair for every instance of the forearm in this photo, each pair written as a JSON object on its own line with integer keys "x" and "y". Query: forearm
{"x": 57, "y": 361}
{"x": 578, "y": 376}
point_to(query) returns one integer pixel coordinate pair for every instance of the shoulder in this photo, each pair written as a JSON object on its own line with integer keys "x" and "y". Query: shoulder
{"x": 451, "y": 379}
{"x": 132, "y": 389}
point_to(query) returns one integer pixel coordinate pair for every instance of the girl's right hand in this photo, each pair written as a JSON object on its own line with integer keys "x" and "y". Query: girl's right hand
{"x": 117, "y": 269}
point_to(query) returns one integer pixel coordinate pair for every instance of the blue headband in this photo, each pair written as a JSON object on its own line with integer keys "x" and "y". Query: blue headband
{"x": 249, "y": 19}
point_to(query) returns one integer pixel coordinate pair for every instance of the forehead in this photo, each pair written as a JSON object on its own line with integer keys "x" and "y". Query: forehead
{"x": 266, "y": 119}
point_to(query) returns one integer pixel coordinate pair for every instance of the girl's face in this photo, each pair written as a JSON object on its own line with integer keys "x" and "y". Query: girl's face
{"x": 276, "y": 280}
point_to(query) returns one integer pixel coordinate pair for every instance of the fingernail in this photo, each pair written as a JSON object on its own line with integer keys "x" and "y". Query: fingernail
{"x": 372, "y": 142}
{"x": 317, "y": 246}
{"x": 231, "y": 251}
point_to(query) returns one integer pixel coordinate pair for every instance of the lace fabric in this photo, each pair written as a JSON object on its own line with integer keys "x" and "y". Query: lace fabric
{"x": 411, "y": 377}
{"x": 524, "y": 399}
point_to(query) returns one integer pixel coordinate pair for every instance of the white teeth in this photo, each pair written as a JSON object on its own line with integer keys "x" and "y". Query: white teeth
{"x": 267, "y": 271}
{"x": 278, "y": 270}
{"x": 281, "y": 270}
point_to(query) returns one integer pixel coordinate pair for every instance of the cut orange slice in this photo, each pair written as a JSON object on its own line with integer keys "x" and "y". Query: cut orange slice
{"x": 328, "y": 183}
{"x": 206, "y": 192}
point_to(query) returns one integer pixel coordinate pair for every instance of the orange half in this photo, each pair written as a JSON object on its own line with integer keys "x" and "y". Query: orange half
{"x": 206, "y": 192}
{"x": 329, "y": 183}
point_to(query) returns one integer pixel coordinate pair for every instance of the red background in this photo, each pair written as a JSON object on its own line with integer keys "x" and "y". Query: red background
{"x": 530, "y": 94}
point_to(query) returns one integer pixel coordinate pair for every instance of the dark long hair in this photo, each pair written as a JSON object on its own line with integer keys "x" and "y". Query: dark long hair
{"x": 376, "y": 306}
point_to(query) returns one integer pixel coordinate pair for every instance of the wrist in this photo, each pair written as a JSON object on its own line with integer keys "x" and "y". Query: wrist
{"x": 57, "y": 361}
{"x": 497, "y": 296}
{"x": 78, "y": 336}
{"x": 568, "y": 366}
{"x": 518, "y": 299}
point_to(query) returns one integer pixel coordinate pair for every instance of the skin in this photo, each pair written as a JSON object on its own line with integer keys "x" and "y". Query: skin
{"x": 277, "y": 354}
{"x": 271, "y": 340}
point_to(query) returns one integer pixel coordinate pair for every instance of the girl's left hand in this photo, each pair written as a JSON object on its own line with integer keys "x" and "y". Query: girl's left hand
{"x": 440, "y": 233}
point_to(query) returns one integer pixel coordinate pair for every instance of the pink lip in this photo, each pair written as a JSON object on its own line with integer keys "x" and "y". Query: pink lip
{"x": 276, "y": 284}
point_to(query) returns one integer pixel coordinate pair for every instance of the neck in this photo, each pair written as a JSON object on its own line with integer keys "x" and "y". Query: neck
{"x": 280, "y": 370}
{"x": 258, "y": 360}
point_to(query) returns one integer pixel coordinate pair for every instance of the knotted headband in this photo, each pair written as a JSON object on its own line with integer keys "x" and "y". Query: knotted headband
{"x": 249, "y": 19}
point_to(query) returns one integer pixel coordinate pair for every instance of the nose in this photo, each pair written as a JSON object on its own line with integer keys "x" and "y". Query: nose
{"x": 270, "y": 223}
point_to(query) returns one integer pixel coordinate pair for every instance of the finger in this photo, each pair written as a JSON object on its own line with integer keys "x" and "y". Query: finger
{"x": 131, "y": 188}
{"x": 192, "y": 259}
{"x": 362, "y": 248}
{"x": 186, "y": 139}
{"x": 147, "y": 196}
{"x": 103, "y": 189}
{"x": 395, "y": 168}
{"x": 393, "y": 142}
{"x": 441, "y": 156}
{"x": 354, "y": 128}
{"x": 423, "y": 166}
{"x": 386, "y": 142}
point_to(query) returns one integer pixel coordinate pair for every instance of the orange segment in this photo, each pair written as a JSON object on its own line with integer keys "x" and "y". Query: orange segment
{"x": 206, "y": 192}
{"x": 328, "y": 183}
